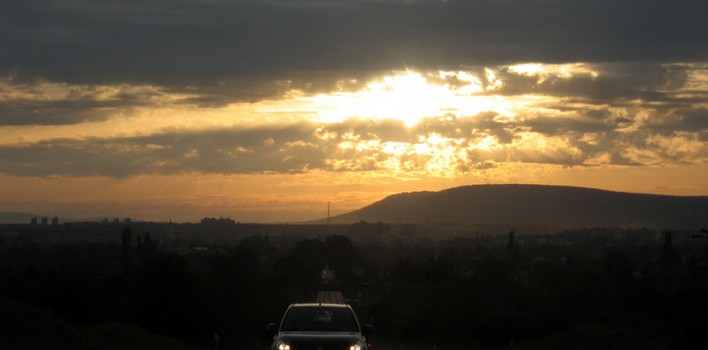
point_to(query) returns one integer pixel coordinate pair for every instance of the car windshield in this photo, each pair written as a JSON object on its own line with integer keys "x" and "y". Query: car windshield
{"x": 320, "y": 318}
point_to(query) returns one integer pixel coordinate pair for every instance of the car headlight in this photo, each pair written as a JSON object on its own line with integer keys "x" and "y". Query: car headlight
{"x": 355, "y": 347}
{"x": 283, "y": 346}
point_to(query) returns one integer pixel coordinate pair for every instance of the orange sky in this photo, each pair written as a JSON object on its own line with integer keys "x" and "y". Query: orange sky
{"x": 283, "y": 159}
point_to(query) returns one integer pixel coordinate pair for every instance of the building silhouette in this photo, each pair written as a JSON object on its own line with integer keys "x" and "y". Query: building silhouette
{"x": 218, "y": 222}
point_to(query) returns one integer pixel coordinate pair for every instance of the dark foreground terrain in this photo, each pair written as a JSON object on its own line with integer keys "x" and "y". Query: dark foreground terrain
{"x": 159, "y": 286}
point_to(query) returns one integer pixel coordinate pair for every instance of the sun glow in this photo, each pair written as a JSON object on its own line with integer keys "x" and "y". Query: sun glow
{"x": 411, "y": 97}
{"x": 543, "y": 71}
{"x": 407, "y": 97}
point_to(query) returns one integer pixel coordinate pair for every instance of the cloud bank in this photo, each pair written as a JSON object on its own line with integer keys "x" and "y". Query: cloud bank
{"x": 188, "y": 43}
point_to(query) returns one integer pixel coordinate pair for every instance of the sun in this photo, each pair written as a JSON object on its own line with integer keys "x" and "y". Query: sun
{"x": 408, "y": 97}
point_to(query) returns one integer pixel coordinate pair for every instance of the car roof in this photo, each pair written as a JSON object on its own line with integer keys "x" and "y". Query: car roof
{"x": 319, "y": 304}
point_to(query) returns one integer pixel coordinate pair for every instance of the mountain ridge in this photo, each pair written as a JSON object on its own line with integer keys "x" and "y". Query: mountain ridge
{"x": 546, "y": 205}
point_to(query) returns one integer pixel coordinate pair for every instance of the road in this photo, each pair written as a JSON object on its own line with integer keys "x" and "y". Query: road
{"x": 330, "y": 297}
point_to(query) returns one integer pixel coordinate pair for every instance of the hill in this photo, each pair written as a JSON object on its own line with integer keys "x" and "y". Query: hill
{"x": 535, "y": 205}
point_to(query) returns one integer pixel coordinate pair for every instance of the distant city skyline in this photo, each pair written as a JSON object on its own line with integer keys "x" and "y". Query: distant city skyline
{"x": 268, "y": 110}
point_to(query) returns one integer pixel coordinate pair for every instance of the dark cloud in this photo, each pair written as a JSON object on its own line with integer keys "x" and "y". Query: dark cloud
{"x": 608, "y": 83}
{"x": 685, "y": 119}
{"x": 282, "y": 150}
{"x": 27, "y": 102}
{"x": 197, "y": 43}
{"x": 254, "y": 89}
{"x": 27, "y": 112}
{"x": 559, "y": 126}
{"x": 64, "y": 111}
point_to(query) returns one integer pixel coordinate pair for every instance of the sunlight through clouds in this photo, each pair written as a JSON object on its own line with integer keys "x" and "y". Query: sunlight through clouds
{"x": 544, "y": 71}
{"x": 407, "y": 97}
{"x": 483, "y": 124}
{"x": 410, "y": 97}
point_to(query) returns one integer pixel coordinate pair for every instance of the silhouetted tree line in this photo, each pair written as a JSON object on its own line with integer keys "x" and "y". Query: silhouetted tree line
{"x": 440, "y": 292}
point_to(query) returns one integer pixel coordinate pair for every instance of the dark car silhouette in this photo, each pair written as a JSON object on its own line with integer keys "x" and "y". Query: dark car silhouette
{"x": 319, "y": 327}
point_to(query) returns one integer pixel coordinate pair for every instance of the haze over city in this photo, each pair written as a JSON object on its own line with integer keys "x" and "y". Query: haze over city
{"x": 265, "y": 111}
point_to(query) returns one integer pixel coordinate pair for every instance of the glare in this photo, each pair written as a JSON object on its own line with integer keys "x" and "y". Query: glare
{"x": 411, "y": 97}
{"x": 494, "y": 83}
{"x": 486, "y": 144}
{"x": 408, "y": 97}
{"x": 527, "y": 68}
{"x": 395, "y": 148}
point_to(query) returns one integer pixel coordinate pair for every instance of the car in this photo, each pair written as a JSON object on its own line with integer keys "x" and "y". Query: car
{"x": 319, "y": 326}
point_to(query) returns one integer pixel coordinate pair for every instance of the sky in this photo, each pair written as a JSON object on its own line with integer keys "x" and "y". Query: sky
{"x": 268, "y": 110}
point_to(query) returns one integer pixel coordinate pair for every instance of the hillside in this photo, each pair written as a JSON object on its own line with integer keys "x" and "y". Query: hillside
{"x": 550, "y": 206}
